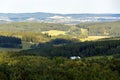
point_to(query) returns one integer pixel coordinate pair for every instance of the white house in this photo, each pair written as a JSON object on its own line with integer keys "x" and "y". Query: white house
{"x": 74, "y": 57}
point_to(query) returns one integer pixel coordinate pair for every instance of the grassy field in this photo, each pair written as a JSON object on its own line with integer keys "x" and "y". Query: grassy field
{"x": 92, "y": 38}
{"x": 54, "y": 32}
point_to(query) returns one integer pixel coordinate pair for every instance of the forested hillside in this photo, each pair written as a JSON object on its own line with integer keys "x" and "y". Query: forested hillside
{"x": 46, "y": 50}
{"x": 103, "y": 28}
{"x": 14, "y": 67}
{"x": 80, "y": 30}
{"x": 33, "y": 27}
{"x": 68, "y": 48}
{"x": 37, "y": 30}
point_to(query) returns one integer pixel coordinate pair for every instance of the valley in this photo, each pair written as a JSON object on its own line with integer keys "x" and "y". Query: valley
{"x": 59, "y": 39}
{"x": 35, "y": 50}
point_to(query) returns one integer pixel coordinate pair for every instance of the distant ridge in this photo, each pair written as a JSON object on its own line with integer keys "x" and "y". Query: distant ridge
{"x": 46, "y": 17}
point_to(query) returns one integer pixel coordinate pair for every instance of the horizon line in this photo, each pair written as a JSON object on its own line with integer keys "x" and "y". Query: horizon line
{"x": 51, "y": 13}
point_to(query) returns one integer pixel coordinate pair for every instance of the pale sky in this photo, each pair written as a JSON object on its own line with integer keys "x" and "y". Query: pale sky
{"x": 60, "y": 6}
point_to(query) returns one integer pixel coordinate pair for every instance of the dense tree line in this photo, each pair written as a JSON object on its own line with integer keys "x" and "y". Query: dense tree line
{"x": 27, "y": 36}
{"x": 68, "y": 48}
{"x": 23, "y": 67}
{"x": 10, "y": 42}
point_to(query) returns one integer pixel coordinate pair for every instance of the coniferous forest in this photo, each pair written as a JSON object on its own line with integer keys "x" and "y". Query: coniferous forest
{"x": 26, "y": 54}
{"x": 59, "y": 39}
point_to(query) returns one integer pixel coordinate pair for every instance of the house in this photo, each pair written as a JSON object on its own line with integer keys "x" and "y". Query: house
{"x": 74, "y": 57}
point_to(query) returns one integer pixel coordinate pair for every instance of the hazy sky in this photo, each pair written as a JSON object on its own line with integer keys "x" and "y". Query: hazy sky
{"x": 60, "y": 6}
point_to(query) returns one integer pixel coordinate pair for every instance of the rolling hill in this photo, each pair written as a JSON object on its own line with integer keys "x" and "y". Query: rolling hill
{"x": 57, "y": 18}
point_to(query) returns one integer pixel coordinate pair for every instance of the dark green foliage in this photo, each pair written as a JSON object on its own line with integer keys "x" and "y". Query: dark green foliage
{"x": 10, "y": 42}
{"x": 67, "y": 48}
{"x": 49, "y": 60}
{"x": 58, "y": 68}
